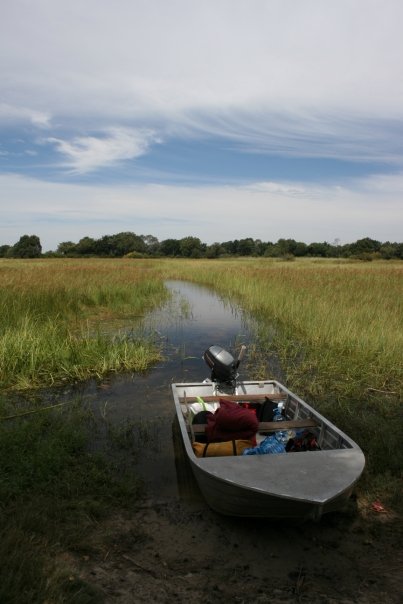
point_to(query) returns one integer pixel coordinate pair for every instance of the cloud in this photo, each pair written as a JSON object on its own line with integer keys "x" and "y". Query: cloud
{"x": 303, "y": 133}
{"x": 87, "y": 153}
{"x": 303, "y": 78}
{"x": 58, "y": 212}
{"x": 163, "y": 59}
{"x": 12, "y": 114}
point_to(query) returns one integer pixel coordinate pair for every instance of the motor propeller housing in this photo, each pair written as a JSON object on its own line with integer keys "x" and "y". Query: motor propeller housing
{"x": 224, "y": 368}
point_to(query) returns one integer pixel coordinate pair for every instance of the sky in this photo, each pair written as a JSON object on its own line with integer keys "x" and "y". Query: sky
{"x": 219, "y": 119}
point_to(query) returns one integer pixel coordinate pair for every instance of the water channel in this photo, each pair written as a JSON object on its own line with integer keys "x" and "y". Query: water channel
{"x": 193, "y": 319}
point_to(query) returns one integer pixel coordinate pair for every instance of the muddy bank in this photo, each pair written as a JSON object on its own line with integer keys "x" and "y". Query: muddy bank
{"x": 172, "y": 552}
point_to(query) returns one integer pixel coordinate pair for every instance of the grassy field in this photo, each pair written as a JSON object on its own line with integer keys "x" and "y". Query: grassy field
{"x": 337, "y": 328}
{"x": 53, "y": 317}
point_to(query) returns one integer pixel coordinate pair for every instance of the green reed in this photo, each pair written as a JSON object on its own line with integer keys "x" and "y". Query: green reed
{"x": 53, "y": 316}
{"x": 342, "y": 322}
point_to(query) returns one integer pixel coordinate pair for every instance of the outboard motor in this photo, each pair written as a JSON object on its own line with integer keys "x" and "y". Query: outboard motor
{"x": 224, "y": 368}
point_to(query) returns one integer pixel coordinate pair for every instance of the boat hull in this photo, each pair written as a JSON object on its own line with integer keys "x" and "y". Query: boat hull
{"x": 294, "y": 485}
{"x": 235, "y": 499}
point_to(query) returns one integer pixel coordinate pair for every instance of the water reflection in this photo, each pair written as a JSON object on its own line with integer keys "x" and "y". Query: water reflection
{"x": 193, "y": 319}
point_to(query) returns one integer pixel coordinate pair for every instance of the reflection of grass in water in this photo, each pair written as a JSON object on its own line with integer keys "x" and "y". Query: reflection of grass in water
{"x": 185, "y": 309}
{"x": 175, "y": 310}
{"x": 135, "y": 435}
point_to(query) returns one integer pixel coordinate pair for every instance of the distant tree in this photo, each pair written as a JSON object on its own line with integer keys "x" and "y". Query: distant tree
{"x": 260, "y": 248}
{"x": 28, "y": 246}
{"x": 335, "y": 249}
{"x": 319, "y": 249}
{"x": 170, "y": 247}
{"x": 214, "y": 250}
{"x": 191, "y": 247}
{"x": 122, "y": 244}
{"x": 365, "y": 246}
{"x": 66, "y": 248}
{"x": 4, "y": 249}
{"x": 104, "y": 246}
{"x": 399, "y": 250}
{"x": 246, "y": 247}
{"x": 290, "y": 246}
{"x": 388, "y": 250}
{"x": 152, "y": 244}
{"x": 86, "y": 247}
{"x": 126, "y": 242}
{"x": 230, "y": 247}
{"x": 300, "y": 249}
{"x": 271, "y": 250}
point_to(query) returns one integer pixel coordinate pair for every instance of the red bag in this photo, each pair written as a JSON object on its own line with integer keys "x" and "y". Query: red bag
{"x": 231, "y": 422}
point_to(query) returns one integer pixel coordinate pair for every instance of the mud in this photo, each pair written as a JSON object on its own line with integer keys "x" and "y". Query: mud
{"x": 174, "y": 552}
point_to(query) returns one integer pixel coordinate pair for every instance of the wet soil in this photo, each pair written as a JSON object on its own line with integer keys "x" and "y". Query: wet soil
{"x": 175, "y": 552}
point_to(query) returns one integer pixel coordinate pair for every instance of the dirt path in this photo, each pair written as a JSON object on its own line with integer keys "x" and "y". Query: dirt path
{"x": 172, "y": 552}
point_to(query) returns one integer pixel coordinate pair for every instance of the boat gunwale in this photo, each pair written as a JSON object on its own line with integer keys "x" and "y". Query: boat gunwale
{"x": 211, "y": 465}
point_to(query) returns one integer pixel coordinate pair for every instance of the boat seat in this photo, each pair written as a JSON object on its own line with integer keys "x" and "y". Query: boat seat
{"x": 272, "y": 396}
{"x": 270, "y": 426}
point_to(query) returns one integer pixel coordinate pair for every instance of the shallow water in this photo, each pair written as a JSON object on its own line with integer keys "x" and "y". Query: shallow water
{"x": 194, "y": 319}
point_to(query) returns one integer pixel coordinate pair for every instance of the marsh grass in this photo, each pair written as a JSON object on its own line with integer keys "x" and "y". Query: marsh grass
{"x": 331, "y": 323}
{"x": 52, "y": 316}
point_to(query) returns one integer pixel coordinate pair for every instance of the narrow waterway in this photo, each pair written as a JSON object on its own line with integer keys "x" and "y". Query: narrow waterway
{"x": 192, "y": 320}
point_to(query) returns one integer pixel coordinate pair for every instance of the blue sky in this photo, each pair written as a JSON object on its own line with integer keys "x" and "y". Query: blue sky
{"x": 220, "y": 119}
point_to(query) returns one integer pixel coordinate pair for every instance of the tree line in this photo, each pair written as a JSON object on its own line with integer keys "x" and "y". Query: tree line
{"x": 128, "y": 244}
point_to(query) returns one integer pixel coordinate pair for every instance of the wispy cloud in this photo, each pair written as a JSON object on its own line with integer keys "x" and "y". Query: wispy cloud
{"x": 88, "y": 153}
{"x": 306, "y": 79}
{"x": 302, "y": 133}
{"x": 15, "y": 113}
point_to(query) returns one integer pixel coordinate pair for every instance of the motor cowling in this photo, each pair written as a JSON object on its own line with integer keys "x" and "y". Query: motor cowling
{"x": 222, "y": 364}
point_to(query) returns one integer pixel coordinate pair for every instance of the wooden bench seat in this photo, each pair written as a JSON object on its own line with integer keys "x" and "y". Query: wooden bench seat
{"x": 270, "y": 426}
{"x": 274, "y": 396}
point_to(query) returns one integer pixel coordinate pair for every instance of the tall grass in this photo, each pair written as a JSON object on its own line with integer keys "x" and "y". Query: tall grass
{"x": 53, "y": 316}
{"x": 338, "y": 324}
